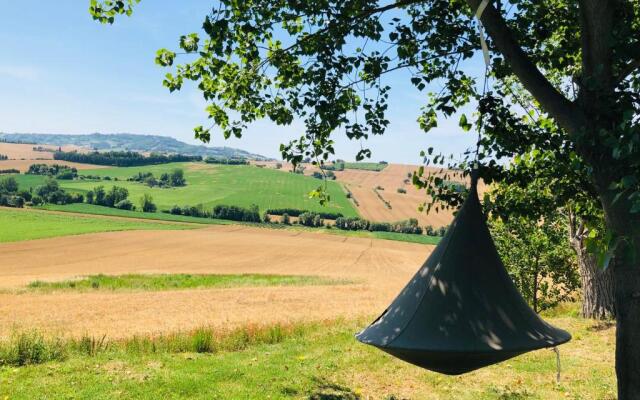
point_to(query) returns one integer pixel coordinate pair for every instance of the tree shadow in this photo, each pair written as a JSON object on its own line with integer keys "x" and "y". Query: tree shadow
{"x": 326, "y": 390}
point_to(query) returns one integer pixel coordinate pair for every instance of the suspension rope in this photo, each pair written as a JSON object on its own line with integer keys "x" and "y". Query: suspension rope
{"x": 487, "y": 66}
{"x": 555, "y": 350}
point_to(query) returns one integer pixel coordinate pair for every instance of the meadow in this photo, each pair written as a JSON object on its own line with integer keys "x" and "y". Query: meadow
{"x": 211, "y": 185}
{"x": 319, "y": 360}
{"x": 128, "y": 282}
{"x": 367, "y": 166}
{"x": 27, "y": 225}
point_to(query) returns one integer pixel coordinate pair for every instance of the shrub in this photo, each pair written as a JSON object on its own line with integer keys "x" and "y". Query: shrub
{"x": 294, "y": 212}
{"x": 402, "y": 190}
{"x": 8, "y": 184}
{"x": 124, "y": 205}
{"x": 226, "y": 161}
{"x": 235, "y": 213}
{"x": 146, "y": 204}
{"x": 310, "y": 219}
{"x": 9, "y": 171}
{"x": 175, "y": 210}
{"x": 3, "y": 157}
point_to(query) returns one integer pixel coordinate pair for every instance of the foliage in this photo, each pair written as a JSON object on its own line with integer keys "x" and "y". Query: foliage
{"x": 325, "y": 175}
{"x": 3, "y": 157}
{"x": 175, "y": 178}
{"x": 50, "y": 192}
{"x": 293, "y": 212}
{"x": 57, "y": 170}
{"x": 402, "y": 190}
{"x": 354, "y": 224}
{"x": 146, "y": 204}
{"x": 9, "y": 171}
{"x": 122, "y": 158}
{"x": 226, "y": 161}
{"x": 538, "y": 258}
{"x": 310, "y": 219}
{"x": 234, "y": 213}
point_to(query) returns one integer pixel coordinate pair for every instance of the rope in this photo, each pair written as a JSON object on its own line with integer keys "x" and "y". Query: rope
{"x": 487, "y": 64}
{"x": 555, "y": 350}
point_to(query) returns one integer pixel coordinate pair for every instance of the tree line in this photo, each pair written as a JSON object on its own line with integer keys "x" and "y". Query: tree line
{"x": 122, "y": 158}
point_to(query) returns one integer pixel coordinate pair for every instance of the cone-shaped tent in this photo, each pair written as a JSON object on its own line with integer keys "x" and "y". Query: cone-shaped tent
{"x": 461, "y": 311}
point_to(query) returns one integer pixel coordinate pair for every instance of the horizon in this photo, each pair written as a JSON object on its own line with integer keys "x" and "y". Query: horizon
{"x": 107, "y": 82}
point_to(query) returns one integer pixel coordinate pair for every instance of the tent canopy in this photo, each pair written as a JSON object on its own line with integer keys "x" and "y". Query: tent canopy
{"x": 461, "y": 311}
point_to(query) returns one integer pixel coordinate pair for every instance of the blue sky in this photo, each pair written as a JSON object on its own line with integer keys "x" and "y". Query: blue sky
{"x": 61, "y": 72}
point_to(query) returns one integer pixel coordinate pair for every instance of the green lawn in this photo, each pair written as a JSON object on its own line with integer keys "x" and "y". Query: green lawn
{"x": 136, "y": 282}
{"x": 312, "y": 361}
{"x": 367, "y": 166}
{"x": 18, "y": 225}
{"x": 216, "y": 184}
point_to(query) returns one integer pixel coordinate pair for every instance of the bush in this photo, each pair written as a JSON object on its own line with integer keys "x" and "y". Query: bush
{"x": 8, "y": 185}
{"x": 226, "y": 161}
{"x": 310, "y": 219}
{"x": 124, "y": 205}
{"x": 9, "y": 171}
{"x": 328, "y": 175}
{"x": 146, "y": 204}
{"x": 57, "y": 170}
{"x": 402, "y": 190}
{"x": 294, "y": 212}
{"x": 235, "y": 213}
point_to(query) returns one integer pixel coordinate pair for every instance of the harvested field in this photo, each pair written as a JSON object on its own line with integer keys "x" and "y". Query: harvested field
{"x": 23, "y": 165}
{"x": 379, "y": 269}
{"x": 403, "y": 206}
{"x": 19, "y": 151}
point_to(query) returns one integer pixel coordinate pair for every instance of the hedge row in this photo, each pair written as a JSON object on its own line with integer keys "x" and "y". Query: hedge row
{"x": 359, "y": 224}
{"x": 233, "y": 213}
{"x": 294, "y": 212}
{"x": 226, "y": 161}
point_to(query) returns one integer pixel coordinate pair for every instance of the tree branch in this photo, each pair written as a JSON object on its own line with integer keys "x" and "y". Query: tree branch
{"x": 631, "y": 66}
{"x": 565, "y": 112}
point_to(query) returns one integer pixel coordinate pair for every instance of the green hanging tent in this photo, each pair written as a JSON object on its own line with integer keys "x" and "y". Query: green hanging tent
{"x": 461, "y": 311}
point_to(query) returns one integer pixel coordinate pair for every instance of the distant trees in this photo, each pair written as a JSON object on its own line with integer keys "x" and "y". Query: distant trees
{"x": 3, "y": 157}
{"x": 226, "y": 161}
{"x": 116, "y": 197}
{"x": 50, "y": 192}
{"x": 173, "y": 179}
{"x": 356, "y": 224}
{"x": 57, "y": 170}
{"x": 122, "y": 158}
{"x": 9, "y": 171}
{"x": 328, "y": 175}
{"x": 8, "y": 185}
{"x": 9, "y": 196}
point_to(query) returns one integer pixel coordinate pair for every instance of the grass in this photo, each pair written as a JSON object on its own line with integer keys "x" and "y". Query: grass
{"x": 98, "y": 210}
{"x": 16, "y": 225}
{"x": 211, "y": 185}
{"x": 311, "y": 361}
{"x": 367, "y": 166}
{"x": 176, "y": 282}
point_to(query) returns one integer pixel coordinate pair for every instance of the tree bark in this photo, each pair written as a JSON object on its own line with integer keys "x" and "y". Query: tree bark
{"x": 598, "y": 285}
{"x": 626, "y": 270}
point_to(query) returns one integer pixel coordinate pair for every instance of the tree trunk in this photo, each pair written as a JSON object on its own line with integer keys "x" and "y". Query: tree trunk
{"x": 626, "y": 268}
{"x": 598, "y": 285}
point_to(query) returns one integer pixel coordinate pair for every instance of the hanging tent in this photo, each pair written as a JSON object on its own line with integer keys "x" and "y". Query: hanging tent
{"x": 461, "y": 311}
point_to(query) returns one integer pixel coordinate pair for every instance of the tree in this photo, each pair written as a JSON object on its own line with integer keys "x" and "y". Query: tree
{"x": 538, "y": 258}
{"x": 324, "y": 63}
{"x": 8, "y": 185}
{"x": 146, "y": 203}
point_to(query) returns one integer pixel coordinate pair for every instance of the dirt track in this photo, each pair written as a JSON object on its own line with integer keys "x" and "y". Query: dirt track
{"x": 379, "y": 267}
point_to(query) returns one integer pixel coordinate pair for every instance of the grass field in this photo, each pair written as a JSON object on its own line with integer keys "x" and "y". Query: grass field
{"x": 367, "y": 166}
{"x": 216, "y": 184}
{"x": 18, "y": 225}
{"x": 98, "y": 210}
{"x": 176, "y": 282}
{"x": 310, "y": 361}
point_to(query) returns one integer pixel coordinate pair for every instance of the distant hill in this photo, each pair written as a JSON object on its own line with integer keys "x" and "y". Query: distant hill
{"x": 129, "y": 141}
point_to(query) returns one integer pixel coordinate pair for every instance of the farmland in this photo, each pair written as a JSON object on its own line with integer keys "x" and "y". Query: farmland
{"x": 211, "y": 185}
{"x": 27, "y": 225}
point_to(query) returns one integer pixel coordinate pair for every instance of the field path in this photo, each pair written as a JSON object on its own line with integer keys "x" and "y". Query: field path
{"x": 379, "y": 267}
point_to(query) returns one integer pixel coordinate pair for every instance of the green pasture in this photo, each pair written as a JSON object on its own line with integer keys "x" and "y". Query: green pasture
{"x": 16, "y": 225}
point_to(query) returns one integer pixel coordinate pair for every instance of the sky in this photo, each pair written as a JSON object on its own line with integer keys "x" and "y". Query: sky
{"x": 62, "y": 72}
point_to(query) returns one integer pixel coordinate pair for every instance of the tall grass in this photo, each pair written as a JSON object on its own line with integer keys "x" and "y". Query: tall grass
{"x": 32, "y": 347}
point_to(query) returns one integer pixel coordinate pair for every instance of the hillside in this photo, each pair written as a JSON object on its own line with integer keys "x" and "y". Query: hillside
{"x": 129, "y": 141}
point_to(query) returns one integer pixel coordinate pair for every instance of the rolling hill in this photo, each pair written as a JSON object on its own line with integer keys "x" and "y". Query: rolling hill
{"x": 129, "y": 141}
